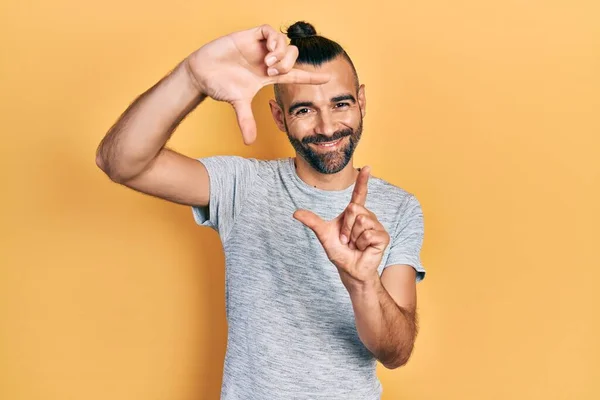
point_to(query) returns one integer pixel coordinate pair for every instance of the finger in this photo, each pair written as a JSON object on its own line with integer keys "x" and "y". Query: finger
{"x": 359, "y": 195}
{"x": 299, "y": 76}
{"x": 286, "y": 63}
{"x": 348, "y": 218}
{"x": 278, "y": 51}
{"x": 372, "y": 238}
{"x": 246, "y": 122}
{"x": 362, "y": 223}
{"x": 268, "y": 33}
{"x": 313, "y": 221}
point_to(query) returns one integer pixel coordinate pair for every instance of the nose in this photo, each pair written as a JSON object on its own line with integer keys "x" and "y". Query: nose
{"x": 326, "y": 125}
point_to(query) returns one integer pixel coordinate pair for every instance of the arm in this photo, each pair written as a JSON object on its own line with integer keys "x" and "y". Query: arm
{"x": 231, "y": 69}
{"x": 385, "y": 314}
{"x": 133, "y": 151}
{"x": 384, "y": 308}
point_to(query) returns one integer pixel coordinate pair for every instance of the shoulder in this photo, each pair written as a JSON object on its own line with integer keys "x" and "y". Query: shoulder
{"x": 389, "y": 194}
{"x": 398, "y": 207}
{"x": 238, "y": 162}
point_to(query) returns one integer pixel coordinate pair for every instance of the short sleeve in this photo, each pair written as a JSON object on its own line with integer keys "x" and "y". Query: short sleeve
{"x": 231, "y": 179}
{"x": 405, "y": 245}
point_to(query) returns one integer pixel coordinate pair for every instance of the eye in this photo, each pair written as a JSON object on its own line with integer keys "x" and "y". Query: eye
{"x": 301, "y": 111}
{"x": 342, "y": 104}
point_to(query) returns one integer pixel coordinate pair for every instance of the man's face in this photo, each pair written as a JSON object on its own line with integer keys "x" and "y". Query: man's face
{"x": 323, "y": 122}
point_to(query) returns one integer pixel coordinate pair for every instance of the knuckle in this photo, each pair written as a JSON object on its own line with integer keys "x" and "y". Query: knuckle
{"x": 353, "y": 207}
{"x": 285, "y": 64}
{"x": 266, "y": 28}
{"x": 290, "y": 54}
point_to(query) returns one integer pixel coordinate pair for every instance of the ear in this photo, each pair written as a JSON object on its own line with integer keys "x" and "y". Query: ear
{"x": 277, "y": 113}
{"x": 362, "y": 100}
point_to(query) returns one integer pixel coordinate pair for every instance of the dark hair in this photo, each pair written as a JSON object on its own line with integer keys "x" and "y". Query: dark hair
{"x": 314, "y": 49}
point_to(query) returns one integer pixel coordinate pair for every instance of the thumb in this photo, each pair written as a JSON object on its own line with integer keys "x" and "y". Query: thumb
{"x": 245, "y": 118}
{"x": 311, "y": 220}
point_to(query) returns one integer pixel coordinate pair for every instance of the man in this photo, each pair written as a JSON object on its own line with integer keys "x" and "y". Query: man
{"x": 320, "y": 275}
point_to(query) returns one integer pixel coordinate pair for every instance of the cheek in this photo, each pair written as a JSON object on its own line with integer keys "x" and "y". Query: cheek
{"x": 349, "y": 117}
{"x": 353, "y": 116}
{"x": 301, "y": 127}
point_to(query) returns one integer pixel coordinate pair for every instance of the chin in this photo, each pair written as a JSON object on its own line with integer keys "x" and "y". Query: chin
{"x": 330, "y": 163}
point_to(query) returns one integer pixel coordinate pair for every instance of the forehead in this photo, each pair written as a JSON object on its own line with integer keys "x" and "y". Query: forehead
{"x": 342, "y": 81}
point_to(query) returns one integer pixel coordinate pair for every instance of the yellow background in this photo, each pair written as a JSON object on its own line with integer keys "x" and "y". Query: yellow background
{"x": 487, "y": 111}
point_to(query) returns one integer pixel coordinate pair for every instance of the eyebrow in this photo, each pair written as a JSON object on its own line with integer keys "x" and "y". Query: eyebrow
{"x": 335, "y": 99}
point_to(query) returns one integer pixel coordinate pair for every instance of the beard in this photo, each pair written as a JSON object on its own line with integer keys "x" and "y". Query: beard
{"x": 327, "y": 162}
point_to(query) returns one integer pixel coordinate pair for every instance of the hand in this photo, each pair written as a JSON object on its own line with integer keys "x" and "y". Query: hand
{"x": 358, "y": 257}
{"x": 235, "y": 67}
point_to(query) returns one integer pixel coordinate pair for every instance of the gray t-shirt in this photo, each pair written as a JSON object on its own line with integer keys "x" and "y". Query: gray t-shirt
{"x": 291, "y": 327}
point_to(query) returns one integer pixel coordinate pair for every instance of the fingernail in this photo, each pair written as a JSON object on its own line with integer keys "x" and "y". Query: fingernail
{"x": 344, "y": 239}
{"x": 271, "y": 60}
{"x": 272, "y": 72}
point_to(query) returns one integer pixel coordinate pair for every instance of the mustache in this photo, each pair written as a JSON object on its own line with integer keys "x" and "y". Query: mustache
{"x": 319, "y": 138}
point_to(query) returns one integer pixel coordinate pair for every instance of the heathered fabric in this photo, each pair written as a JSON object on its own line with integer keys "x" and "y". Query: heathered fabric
{"x": 291, "y": 327}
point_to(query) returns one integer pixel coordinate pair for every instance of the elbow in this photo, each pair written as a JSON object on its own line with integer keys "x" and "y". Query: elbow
{"x": 395, "y": 365}
{"x": 104, "y": 166}
{"x": 100, "y": 163}
{"x": 400, "y": 361}
{"x": 392, "y": 366}
{"x": 109, "y": 170}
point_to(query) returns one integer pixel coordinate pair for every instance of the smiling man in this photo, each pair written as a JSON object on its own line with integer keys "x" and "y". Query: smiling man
{"x": 322, "y": 259}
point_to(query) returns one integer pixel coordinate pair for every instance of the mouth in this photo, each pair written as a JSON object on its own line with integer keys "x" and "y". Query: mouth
{"x": 328, "y": 145}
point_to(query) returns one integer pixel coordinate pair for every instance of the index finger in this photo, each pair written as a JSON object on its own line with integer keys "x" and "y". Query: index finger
{"x": 359, "y": 195}
{"x": 301, "y": 76}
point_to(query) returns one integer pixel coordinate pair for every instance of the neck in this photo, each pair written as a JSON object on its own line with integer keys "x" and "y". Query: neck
{"x": 338, "y": 181}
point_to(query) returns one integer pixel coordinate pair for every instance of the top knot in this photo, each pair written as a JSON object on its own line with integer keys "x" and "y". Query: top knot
{"x": 301, "y": 30}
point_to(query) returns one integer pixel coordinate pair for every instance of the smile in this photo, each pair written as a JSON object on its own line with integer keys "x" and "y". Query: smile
{"x": 328, "y": 145}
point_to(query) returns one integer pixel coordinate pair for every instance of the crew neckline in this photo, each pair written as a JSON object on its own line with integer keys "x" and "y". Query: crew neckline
{"x": 291, "y": 170}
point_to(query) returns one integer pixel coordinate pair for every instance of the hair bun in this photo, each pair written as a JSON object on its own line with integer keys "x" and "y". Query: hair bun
{"x": 301, "y": 30}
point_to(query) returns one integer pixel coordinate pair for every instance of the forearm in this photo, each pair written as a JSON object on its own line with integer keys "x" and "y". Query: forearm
{"x": 147, "y": 124}
{"x": 386, "y": 329}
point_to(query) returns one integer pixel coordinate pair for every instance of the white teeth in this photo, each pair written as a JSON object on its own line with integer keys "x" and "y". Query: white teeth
{"x": 328, "y": 144}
